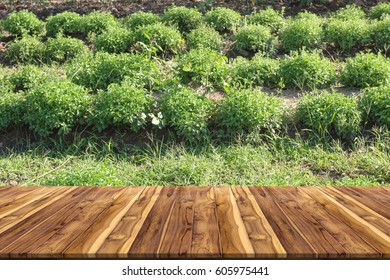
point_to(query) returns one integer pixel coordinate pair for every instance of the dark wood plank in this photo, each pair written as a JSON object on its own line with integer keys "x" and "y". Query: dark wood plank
{"x": 10, "y": 194}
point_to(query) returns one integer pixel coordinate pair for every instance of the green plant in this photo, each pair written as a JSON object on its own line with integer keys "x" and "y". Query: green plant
{"x": 66, "y": 23}
{"x": 11, "y": 108}
{"x": 366, "y": 69}
{"x": 186, "y": 112}
{"x": 248, "y": 110}
{"x": 122, "y": 104}
{"x": 97, "y": 22}
{"x": 23, "y": 23}
{"x": 254, "y": 38}
{"x": 204, "y": 37}
{"x": 25, "y": 50}
{"x": 268, "y": 17}
{"x": 203, "y": 66}
{"x": 61, "y": 49}
{"x": 26, "y": 76}
{"x": 141, "y": 18}
{"x": 374, "y": 103}
{"x": 329, "y": 114}
{"x": 379, "y": 11}
{"x": 349, "y": 12}
{"x": 113, "y": 40}
{"x": 307, "y": 69}
{"x": 381, "y": 33}
{"x": 55, "y": 105}
{"x": 303, "y": 31}
{"x": 223, "y": 19}
{"x": 186, "y": 19}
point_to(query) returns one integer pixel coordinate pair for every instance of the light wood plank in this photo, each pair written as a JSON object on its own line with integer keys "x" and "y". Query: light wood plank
{"x": 10, "y": 194}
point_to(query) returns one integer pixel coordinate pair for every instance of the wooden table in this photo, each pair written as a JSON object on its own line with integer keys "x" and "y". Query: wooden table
{"x": 195, "y": 222}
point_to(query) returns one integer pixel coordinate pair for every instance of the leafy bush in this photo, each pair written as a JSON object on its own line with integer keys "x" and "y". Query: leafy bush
{"x": 254, "y": 38}
{"x": 113, "y": 40}
{"x": 186, "y": 19}
{"x": 366, "y": 69}
{"x": 329, "y": 114}
{"x": 258, "y": 71}
{"x": 97, "y": 22}
{"x": 381, "y": 33}
{"x": 307, "y": 69}
{"x": 26, "y": 50}
{"x": 61, "y": 48}
{"x": 350, "y": 12}
{"x": 99, "y": 70}
{"x": 346, "y": 34}
{"x": 164, "y": 38}
{"x": 11, "y": 108}
{"x": 57, "y": 104}
{"x": 26, "y": 76}
{"x": 303, "y": 31}
{"x": 379, "y": 11}
{"x": 223, "y": 19}
{"x": 66, "y": 23}
{"x": 374, "y": 104}
{"x": 203, "y": 66}
{"x": 23, "y": 23}
{"x": 141, "y": 18}
{"x": 121, "y": 105}
{"x": 186, "y": 112}
{"x": 204, "y": 37}
{"x": 247, "y": 110}
{"x": 268, "y": 17}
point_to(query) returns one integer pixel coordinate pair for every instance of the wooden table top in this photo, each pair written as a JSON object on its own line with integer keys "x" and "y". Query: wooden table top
{"x": 195, "y": 222}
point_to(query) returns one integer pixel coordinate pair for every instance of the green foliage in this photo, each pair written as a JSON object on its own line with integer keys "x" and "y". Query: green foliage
{"x": 248, "y": 110}
{"x": 25, "y": 50}
{"x": 113, "y": 40}
{"x": 165, "y": 39}
{"x": 303, "y": 31}
{"x": 204, "y": 37}
{"x": 66, "y": 23}
{"x": 97, "y": 22}
{"x": 366, "y": 69}
{"x": 55, "y": 105}
{"x": 26, "y": 76}
{"x": 223, "y": 19}
{"x": 141, "y": 18}
{"x": 381, "y": 33}
{"x": 186, "y": 19}
{"x": 258, "y": 71}
{"x": 379, "y": 11}
{"x": 99, "y": 70}
{"x": 329, "y": 114}
{"x": 268, "y": 17}
{"x": 254, "y": 38}
{"x": 307, "y": 69}
{"x": 186, "y": 112}
{"x": 23, "y": 23}
{"x": 122, "y": 104}
{"x": 61, "y": 49}
{"x": 347, "y": 34}
{"x": 350, "y": 12}
{"x": 374, "y": 104}
{"x": 204, "y": 67}
{"x": 11, "y": 107}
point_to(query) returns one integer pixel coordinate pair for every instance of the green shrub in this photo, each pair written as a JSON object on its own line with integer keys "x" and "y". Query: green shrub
{"x": 66, "y": 23}
{"x": 258, "y": 71}
{"x": 113, "y": 40}
{"x": 55, "y": 105}
{"x": 99, "y": 70}
{"x": 254, "y": 38}
{"x": 165, "y": 39}
{"x": 381, "y": 33}
{"x": 97, "y": 22}
{"x": 25, "y": 50}
{"x": 186, "y": 112}
{"x": 223, "y": 19}
{"x": 268, "y": 17}
{"x": 121, "y": 105}
{"x": 329, "y": 114}
{"x": 347, "y": 34}
{"x": 204, "y": 67}
{"x": 350, "y": 12}
{"x": 186, "y": 19}
{"x": 204, "y": 37}
{"x": 374, "y": 104}
{"x": 248, "y": 110}
{"x": 61, "y": 48}
{"x": 307, "y": 69}
{"x": 11, "y": 108}
{"x": 366, "y": 69}
{"x": 379, "y": 11}
{"x": 26, "y": 76}
{"x": 304, "y": 31}
{"x": 23, "y": 23}
{"x": 141, "y": 18}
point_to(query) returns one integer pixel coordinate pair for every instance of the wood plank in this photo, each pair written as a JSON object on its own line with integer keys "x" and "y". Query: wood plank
{"x": 235, "y": 241}
{"x": 264, "y": 240}
{"x": 177, "y": 234}
{"x": 368, "y": 232}
{"x": 294, "y": 243}
{"x": 147, "y": 241}
{"x": 89, "y": 242}
{"x": 119, "y": 241}
{"x": 10, "y": 194}
{"x": 205, "y": 235}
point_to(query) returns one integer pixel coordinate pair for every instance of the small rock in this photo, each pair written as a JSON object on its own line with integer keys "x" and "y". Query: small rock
{"x": 13, "y": 183}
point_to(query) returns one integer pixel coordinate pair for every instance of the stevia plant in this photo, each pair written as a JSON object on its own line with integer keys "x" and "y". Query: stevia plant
{"x": 23, "y": 23}
{"x": 223, "y": 19}
{"x": 254, "y": 38}
{"x": 204, "y": 37}
{"x": 268, "y": 17}
{"x": 185, "y": 18}
{"x": 66, "y": 23}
